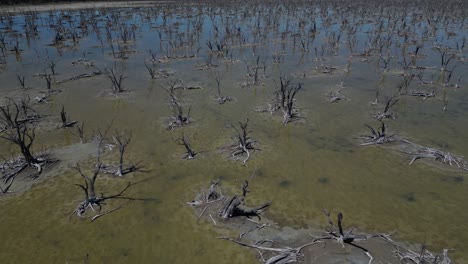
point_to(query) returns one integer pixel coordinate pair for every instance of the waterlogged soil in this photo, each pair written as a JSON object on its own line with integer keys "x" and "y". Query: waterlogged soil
{"x": 302, "y": 167}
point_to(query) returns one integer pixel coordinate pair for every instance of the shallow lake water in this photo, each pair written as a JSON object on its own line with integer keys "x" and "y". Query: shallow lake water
{"x": 302, "y": 167}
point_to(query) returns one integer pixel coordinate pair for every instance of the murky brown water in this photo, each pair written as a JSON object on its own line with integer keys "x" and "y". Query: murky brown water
{"x": 302, "y": 168}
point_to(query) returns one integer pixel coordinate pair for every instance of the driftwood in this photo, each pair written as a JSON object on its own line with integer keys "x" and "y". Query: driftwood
{"x": 81, "y": 76}
{"x": 234, "y": 206}
{"x": 280, "y": 255}
{"x": 423, "y": 95}
{"x": 336, "y": 95}
{"x": 437, "y": 155}
{"x": 231, "y": 207}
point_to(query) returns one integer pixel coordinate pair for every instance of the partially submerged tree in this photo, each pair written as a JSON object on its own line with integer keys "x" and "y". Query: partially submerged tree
{"x": 116, "y": 80}
{"x": 220, "y": 99}
{"x": 18, "y": 126}
{"x": 284, "y": 100}
{"x": 377, "y": 136}
{"x": 243, "y": 143}
{"x": 179, "y": 118}
{"x": 63, "y": 117}
{"x": 121, "y": 140}
{"x": 95, "y": 202}
{"x": 189, "y": 153}
{"x": 387, "y": 113}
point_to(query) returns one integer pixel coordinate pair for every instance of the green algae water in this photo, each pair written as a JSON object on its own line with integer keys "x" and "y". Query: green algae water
{"x": 302, "y": 167}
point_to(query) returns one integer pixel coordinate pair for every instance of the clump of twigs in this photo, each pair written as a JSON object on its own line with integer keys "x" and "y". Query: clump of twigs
{"x": 243, "y": 143}
{"x": 378, "y": 136}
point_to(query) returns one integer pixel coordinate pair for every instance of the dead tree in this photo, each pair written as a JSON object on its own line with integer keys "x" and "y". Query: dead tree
{"x": 386, "y": 113}
{"x": 290, "y": 113}
{"x": 189, "y": 153}
{"x": 220, "y": 99}
{"x": 336, "y": 232}
{"x": 18, "y": 127}
{"x": 21, "y": 81}
{"x": 179, "y": 119}
{"x": 121, "y": 141}
{"x": 171, "y": 91}
{"x": 116, "y": 80}
{"x": 63, "y": 117}
{"x": 80, "y": 131}
{"x": 377, "y": 136}
{"x": 243, "y": 143}
{"x": 95, "y": 202}
{"x": 284, "y": 99}
{"x": 151, "y": 70}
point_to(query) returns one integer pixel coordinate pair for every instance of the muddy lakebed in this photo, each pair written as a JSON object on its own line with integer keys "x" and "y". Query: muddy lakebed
{"x": 356, "y": 107}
